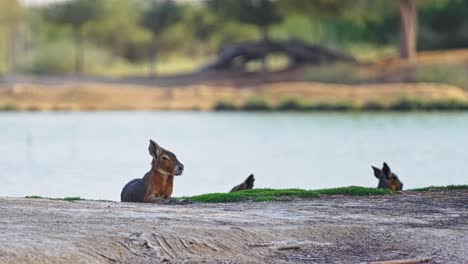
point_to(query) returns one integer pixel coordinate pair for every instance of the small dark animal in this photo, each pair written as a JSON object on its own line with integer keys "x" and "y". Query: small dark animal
{"x": 246, "y": 185}
{"x": 158, "y": 182}
{"x": 387, "y": 179}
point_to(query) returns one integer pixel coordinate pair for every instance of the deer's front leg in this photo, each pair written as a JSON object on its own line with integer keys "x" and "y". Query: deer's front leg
{"x": 160, "y": 200}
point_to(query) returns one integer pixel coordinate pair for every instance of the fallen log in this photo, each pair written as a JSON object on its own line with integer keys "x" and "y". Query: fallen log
{"x": 236, "y": 56}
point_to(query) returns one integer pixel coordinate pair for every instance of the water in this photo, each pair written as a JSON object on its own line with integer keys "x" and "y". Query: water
{"x": 93, "y": 155}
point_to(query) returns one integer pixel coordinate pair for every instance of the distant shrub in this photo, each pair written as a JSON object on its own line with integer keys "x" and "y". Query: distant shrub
{"x": 333, "y": 106}
{"x": 344, "y": 106}
{"x": 291, "y": 104}
{"x": 406, "y": 104}
{"x": 54, "y": 58}
{"x": 446, "y": 105}
{"x": 256, "y": 104}
{"x": 373, "y": 106}
{"x": 8, "y": 107}
{"x": 224, "y": 106}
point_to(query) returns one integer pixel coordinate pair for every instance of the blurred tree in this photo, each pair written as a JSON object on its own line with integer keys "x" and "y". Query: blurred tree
{"x": 260, "y": 13}
{"x": 118, "y": 28}
{"x": 408, "y": 28}
{"x": 11, "y": 14}
{"x": 365, "y": 10}
{"x": 157, "y": 18}
{"x": 76, "y": 14}
{"x": 443, "y": 24}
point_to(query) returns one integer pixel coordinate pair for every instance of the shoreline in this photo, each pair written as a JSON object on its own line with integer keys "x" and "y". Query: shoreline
{"x": 271, "y": 97}
{"x": 351, "y": 229}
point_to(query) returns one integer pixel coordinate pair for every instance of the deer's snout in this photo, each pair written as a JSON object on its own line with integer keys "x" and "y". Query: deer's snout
{"x": 179, "y": 169}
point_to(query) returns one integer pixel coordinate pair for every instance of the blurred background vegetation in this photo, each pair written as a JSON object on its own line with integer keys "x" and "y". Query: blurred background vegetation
{"x": 118, "y": 38}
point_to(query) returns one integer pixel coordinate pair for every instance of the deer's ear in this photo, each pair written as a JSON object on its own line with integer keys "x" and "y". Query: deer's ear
{"x": 386, "y": 170}
{"x": 154, "y": 149}
{"x": 250, "y": 178}
{"x": 376, "y": 172}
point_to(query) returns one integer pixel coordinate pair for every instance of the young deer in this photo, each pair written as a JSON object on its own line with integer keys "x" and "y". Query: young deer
{"x": 246, "y": 185}
{"x": 387, "y": 179}
{"x": 157, "y": 183}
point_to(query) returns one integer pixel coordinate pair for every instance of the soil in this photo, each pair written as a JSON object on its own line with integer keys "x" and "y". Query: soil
{"x": 104, "y": 97}
{"x": 333, "y": 229}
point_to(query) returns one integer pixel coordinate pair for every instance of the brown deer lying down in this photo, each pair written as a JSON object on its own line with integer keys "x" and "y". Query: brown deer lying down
{"x": 157, "y": 183}
{"x": 387, "y": 179}
{"x": 246, "y": 185}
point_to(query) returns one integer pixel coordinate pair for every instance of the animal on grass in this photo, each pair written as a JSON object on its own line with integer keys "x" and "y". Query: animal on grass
{"x": 387, "y": 179}
{"x": 157, "y": 184}
{"x": 246, "y": 185}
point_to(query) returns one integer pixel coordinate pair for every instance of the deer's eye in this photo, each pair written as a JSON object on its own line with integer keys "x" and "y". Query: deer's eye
{"x": 164, "y": 158}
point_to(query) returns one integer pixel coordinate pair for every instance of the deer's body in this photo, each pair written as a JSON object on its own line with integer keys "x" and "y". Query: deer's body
{"x": 246, "y": 185}
{"x": 387, "y": 179}
{"x": 158, "y": 182}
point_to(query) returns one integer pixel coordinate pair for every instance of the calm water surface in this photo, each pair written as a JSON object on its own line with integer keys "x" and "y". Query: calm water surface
{"x": 93, "y": 155}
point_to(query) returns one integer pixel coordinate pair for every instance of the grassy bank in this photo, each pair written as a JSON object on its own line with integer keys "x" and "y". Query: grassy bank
{"x": 259, "y": 195}
{"x": 399, "y": 105}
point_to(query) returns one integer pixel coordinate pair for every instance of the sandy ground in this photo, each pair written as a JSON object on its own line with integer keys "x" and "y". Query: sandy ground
{"x": 325, "y": 230}
{"x": 95, "y": 97}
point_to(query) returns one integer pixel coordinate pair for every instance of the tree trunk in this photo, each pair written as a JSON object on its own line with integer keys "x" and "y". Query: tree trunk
{"x": 79, "y": 51}
{"x": 153, "y": 57}
{"x": 408, "y": 28}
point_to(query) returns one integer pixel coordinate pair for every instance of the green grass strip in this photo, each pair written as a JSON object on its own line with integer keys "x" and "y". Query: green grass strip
{"x": 441, "y": 188}
{"x": 260, "y": 195}
{"x": 69, "y": 199}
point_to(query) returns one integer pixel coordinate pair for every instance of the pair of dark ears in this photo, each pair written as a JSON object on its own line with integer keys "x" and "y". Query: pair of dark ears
{"x": 154, "y": 149}
{"x": 385, "y": 171}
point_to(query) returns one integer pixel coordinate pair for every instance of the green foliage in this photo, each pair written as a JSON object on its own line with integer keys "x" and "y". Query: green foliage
{"x": 256, "y": 104}
{"x": 118, "y": 29}
{"x": 261, "y": 13}
{"x": 126, "y": 32}
{"x": 290, "y": 104}
{"x": 256, "y": 12}
{"x": 160, "y": 15}
{"x": 260, "y": 195}
{"x": 34, "y": 197}
{"x": 225, "y": 106}
{"x": 441, "y": 188}
{"x": 333, "y": 106}
{"x": 75, "y": 13}
{"x": 8, "y": 107}
{"x": 443, "y": 24}
{"x": 69, "y": 199}
{"x": 52, "y": 59}
{"x": 373, "y": 106}
{"x": 403, "y": 104}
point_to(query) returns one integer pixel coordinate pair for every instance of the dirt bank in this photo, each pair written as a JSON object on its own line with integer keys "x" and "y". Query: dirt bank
{"x": 329, "y": 229}
{"x": 95, "y": 97}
